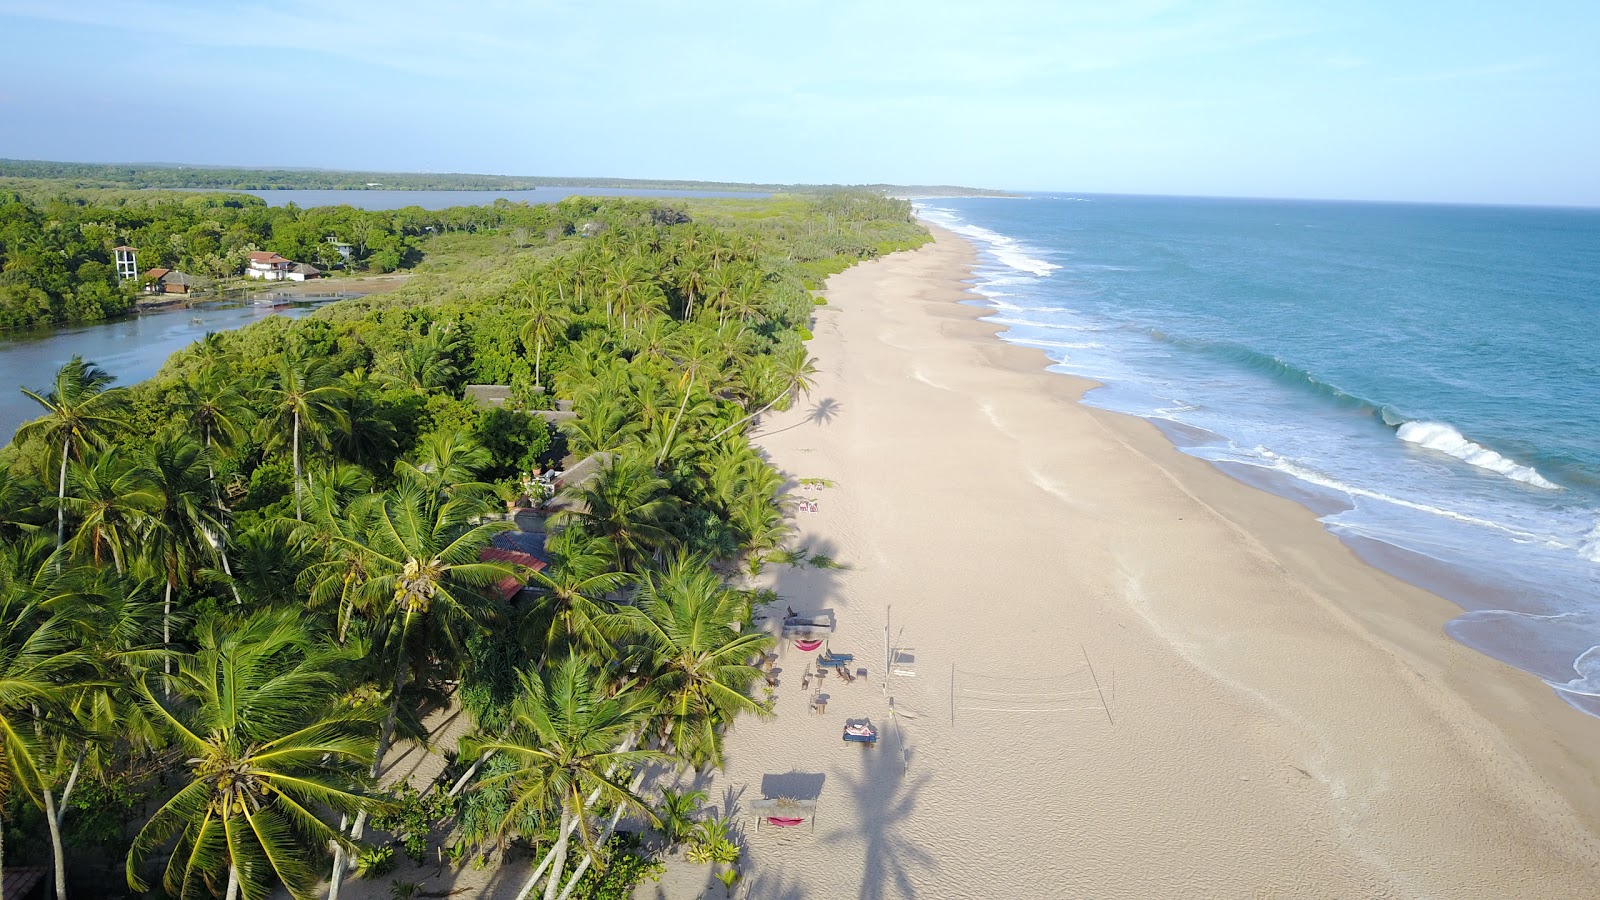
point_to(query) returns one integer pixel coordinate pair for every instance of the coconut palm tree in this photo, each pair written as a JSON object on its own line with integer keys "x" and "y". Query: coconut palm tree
{"x": 425, "y": 587}
{"x": 602, "y": 426}
{"x": 573, "y": 612}
{"x": 81, "y": 408}
{"x": 546, "y": 318}
{"x": 448, "y": 462}
{"x": 210, "y": 403}
{"x": 37, "y": 660}
{"x": 698, "y": 667}
{"x": 794, "y": 370}
{"x": 426, "y": 364}
{"x": 306, "y": 401}
{"x": 113, "y": 625}
{"x": 626, "y": 503}
{"x": 567, "y": 736}
{"x": 269, "y": 755}
{"x": 185, "y": 528}
{"x": 113, "y": 500}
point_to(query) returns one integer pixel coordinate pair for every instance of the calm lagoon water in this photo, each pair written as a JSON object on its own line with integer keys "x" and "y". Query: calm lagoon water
{"x": 131, "y": 348}
{"x": 1424, "y": 378}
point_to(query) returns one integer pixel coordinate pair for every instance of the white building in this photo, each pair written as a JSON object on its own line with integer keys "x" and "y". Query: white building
{"x": 268, "y": 266}
{"x": 127, "y": 263}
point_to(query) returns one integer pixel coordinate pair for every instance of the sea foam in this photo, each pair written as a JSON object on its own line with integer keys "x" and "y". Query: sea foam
{"x": 1008, "y": 250}
{"x": 1445, "y": 439}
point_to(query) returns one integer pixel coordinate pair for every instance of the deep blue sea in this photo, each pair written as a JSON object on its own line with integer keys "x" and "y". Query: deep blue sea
{"x": 1425, "y": 378}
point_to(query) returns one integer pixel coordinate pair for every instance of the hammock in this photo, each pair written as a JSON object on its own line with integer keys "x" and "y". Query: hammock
{"x": 783, "y": 822}
{"x": 807, "y": 646}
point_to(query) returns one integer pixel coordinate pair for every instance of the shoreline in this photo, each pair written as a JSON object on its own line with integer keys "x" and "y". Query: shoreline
{"x": 1411, "y": 630}
{"x": 1281, "y": 718}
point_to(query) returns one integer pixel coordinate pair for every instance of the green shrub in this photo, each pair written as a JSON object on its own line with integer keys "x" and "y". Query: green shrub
{"x": 375, "y": 862}
{"x": 626, "y": 868}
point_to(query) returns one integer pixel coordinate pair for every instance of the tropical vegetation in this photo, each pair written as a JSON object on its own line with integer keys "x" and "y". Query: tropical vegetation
{"x": 229, "y": 594}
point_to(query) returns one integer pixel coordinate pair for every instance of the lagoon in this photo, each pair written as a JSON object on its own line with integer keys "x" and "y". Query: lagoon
{"x": 133, "y": 348}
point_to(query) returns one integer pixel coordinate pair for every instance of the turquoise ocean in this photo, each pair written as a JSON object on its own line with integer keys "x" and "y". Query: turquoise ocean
{"x": 1426, "y": 379}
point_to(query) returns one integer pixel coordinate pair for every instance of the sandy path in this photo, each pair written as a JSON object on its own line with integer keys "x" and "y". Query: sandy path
{"x": 1287, "y": 721}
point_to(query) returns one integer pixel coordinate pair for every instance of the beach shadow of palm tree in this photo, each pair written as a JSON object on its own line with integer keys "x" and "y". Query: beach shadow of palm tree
{"x": 888, "y": 797}
{"x": 826, "y": 410}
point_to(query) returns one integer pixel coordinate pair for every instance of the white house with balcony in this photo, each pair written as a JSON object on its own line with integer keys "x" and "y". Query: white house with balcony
{"x": 268, "y": 266}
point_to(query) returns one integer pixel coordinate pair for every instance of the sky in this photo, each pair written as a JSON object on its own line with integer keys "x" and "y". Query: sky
{"x": 1461, "y": 101}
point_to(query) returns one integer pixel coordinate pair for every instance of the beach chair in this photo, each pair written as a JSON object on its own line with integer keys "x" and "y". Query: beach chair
{"x": 860, "y": 732}
{"x": 832, "y": 660}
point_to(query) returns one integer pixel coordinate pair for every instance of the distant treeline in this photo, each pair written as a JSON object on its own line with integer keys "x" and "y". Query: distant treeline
{"x": 56, "y": 247}
{"x": 121, "y": 175}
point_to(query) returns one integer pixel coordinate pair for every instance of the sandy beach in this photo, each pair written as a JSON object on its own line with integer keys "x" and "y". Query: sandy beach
{"x": 1120, "y": 672}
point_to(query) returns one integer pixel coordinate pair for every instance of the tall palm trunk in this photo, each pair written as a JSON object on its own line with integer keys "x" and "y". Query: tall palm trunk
{"x": 55, "y": 843}
{"x": 554, "y": 886}
{"x": 538, "y": 357}
{"x": 297, "y": 465}
{"x": 2, "y": 855}
{"x": 666, "y": 445}
{"x": 770, "y": 404}
{"x": 233, "y": 884}
{"x": 61, "y": 495}
{"x": 166, "y": 633}
{"x": 340, "y": 857}
{"x": 222, "y": 539}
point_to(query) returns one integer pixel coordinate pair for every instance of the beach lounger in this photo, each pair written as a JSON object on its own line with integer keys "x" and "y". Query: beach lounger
{"x": 861, "y": 733}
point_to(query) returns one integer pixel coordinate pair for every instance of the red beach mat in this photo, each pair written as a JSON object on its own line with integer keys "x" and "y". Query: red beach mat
{"x": 807, "y": 646}
{"x": 783, "y": 822}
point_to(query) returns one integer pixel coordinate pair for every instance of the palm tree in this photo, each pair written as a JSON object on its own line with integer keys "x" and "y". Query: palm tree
{"x": 676, "y": 810}
{"x": 36, "y": 661}
{"x": 113, "y": 625}
{"x": 794, "y": 368}
{"x": 567, "y": 736}
{"x": 306, "y": 400}
{"x": 448, "y": 462}
{"x": 698, "y": 666}
{"x": 626, "y": 503}
{"x": 602, "y": 426}
{"x": 425, "y": 364}
{"x": 80, "y": 409}
{"x": 695, "y": 357}
{"x": 184, "y": 526}
{"x": 572, "y": 611}
{"x": 113, "y": 500}
{"x": 418, "y": 552}
{"x": 269, "y": 756}
{"x": 545, "y": 320}
{"x": 212, "y": 405}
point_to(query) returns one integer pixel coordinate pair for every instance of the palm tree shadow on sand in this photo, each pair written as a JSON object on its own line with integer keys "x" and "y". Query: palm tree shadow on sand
{"x": 826, "y": 410}
{"x": 887, "y": 798}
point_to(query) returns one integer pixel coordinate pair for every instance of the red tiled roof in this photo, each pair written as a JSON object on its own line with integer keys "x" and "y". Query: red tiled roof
{"x": 266, "y": 257}
{"x": 156, "y": 273}
{"x": 125, "y": 248}
{"x": 510, "y": 585}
